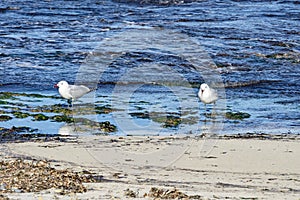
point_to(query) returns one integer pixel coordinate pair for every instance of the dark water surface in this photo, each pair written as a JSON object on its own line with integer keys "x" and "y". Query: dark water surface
{"x": 252, "y": 48}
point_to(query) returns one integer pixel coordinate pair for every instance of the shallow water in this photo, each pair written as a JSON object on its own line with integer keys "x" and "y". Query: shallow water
{"x": 152, "y": 58}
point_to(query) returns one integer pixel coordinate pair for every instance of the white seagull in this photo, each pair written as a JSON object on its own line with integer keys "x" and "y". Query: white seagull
{"x": 71, "y": 92}
{"x": 207, "y": 95}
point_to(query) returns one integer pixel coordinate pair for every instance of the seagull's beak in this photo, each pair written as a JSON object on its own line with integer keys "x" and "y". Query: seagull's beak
{"x": 55, "y": 86}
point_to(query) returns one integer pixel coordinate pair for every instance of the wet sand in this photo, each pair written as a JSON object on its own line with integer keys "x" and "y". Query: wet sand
{"x": 216, "y": 167}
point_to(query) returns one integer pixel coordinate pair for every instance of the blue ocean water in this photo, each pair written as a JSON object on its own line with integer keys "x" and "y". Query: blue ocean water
{"x": 251, "y": 47}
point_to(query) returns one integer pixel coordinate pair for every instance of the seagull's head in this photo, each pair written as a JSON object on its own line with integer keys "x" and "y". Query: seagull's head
{"x": 61, "y": 84}
{"x": 203, "y": 87}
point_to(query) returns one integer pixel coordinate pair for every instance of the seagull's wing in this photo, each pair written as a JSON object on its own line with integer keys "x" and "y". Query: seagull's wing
{"x": 214, "y": 94}
{"x": 78, "y": 91}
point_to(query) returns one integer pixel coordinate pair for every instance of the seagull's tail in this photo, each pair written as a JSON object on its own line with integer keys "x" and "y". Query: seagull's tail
{"x": 93, "y": 89}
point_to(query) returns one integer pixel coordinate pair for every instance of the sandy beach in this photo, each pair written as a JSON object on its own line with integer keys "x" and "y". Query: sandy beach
{"x": 132, "y": 167}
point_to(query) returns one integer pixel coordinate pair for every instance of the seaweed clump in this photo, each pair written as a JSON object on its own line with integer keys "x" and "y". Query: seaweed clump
{"x": 35, "y": 176}
{"x": 170, "y": 121}
{"x": 11, "y": 109}
{"x": 6, "y": 95}
{"x": 4, "y": 118}
{"x": 105, "y": 127}
{"x": 12, "y": 95}
{"x": 166, "y": 194}
{"x": 237, "y": 115}
{"x": 57, "y": 108}
{"x": 16, "y": 133}
{"x": 62, "y": 118}
{"x": 40, "y": 117}
{"x": 21, "y": 115}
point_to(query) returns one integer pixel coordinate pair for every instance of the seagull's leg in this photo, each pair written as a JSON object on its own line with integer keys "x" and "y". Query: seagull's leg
{"x": 69, "y": 103}
{"x": 205, "y": 110}
{"x": 214, "y": 109}
{"x": 72, "y": 108}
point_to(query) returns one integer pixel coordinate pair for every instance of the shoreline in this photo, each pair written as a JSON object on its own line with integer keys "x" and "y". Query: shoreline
{"x": 232, "y": 167}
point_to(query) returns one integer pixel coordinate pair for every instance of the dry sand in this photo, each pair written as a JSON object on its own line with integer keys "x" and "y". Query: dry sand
{"x": 210, "y": 167}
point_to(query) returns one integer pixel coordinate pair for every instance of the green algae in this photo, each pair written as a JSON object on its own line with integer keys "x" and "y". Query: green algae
{"x": 19, "y": 129}
{"x": 17, "y": 133}
{"x": 211, "y": 115}
{"x": 169, "y": 120}
{"x": 40, "y": 117}
{"x": 105, "y": 127}
{"x": 6, "y": 95}
{"x": 20, "y": 115}
{"x": 35, "y": 95}
{"x": 4, "y": 118}
{"x": 56, "y": 108}
{"x": 237, "y": 115}
{"x": 3, "y": 102}
{"x": 189, "y": 120}
{"x": 59, "y": 108}
{"x": 172, "y": 122}
{"x": 12, "y": 95}
{"x": 39, "y": 113}
{"x": 103, "y": 109}
{"x": 141, "y": 115}
{"x": 62, "y": 118}
{"x": 3, "y": 112}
